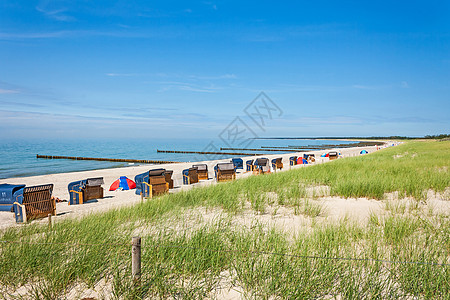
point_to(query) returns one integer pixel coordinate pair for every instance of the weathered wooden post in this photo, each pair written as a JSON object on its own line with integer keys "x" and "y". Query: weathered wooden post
{"x": 136, "y": 258}
{"x": 50, "y": 221}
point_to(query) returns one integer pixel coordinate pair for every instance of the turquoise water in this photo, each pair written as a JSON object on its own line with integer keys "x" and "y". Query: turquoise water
{"x": 18, "y": 157}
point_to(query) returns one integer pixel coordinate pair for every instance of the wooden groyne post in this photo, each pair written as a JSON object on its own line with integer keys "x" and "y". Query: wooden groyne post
{"x": 203, "y": 152}
{"x": 265, "y": 149}
{"x": 144, "y": 161}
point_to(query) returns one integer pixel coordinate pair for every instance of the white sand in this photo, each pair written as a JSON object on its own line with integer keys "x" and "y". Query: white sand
{"x": 357, "y": 209}
{"x": 115, "y": 199}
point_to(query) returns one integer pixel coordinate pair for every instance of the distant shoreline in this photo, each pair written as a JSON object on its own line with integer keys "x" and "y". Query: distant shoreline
{"x": 358, "y": 138}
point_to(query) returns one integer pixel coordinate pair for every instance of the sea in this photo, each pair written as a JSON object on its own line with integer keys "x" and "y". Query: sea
{"x": 18, "y": 157}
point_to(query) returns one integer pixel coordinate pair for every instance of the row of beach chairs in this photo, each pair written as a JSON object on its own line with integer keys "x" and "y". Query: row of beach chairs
{"x": 305, "y": 159}
{"x": 222, "y": 172}
{"x": 33, "y": 202}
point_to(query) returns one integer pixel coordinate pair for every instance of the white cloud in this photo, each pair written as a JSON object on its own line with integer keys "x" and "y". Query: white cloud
{"x": 120, "y": 74}
{"x": 28, "y": 124}
{"x": 188, "y": 86}
{"x": 195, "y": 89}
{"x": 56, "y": 14}
{"x": 224, "y": 76}
{"x": 371, "y": 87}
{"x": 364, "y": 87}
{"x": 124, "y": 33}
{"x": 4, "y": 91}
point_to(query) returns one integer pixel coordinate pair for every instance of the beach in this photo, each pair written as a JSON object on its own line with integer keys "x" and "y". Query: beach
{"x": 283, "y": 218}
{"x": 117, "y": 199}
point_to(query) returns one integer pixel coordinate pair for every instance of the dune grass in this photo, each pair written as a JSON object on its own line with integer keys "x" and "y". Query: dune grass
{"x": 411, "y": 169}
{"x": 192, "y": 264}
{"x": 196, "y": 262}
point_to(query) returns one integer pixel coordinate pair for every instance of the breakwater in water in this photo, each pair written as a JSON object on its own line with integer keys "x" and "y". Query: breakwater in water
{"x": 18, "y": 156}
{"x": 209, "y": 152}
{"x": 143, "y": 161}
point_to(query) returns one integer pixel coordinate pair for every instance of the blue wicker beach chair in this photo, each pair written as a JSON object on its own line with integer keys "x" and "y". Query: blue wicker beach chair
{"x": 292, "y": 160}
{"x": 224, "y": 172}
{"x": 249, "y": 165}
{"x": 152, "y": 183}
{"x": 139, "y": 180}
{"x": 261, "y": 166}
{"x": 277, "y": 163}
{"x": 6, "y": 195}
{"x": 33, "y": 202}
{"x": 190, "y": 176}
{"x": 202, "y": 171}
{"x": 84, "y": 190}
{"x": 238, "y": 163}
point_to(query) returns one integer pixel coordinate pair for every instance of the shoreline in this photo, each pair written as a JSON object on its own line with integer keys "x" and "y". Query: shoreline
{"x": 23, "y": 162}
{"x": 117, "y": 199}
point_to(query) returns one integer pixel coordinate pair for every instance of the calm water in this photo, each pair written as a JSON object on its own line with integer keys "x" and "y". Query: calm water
{"x": 18, "y": 157}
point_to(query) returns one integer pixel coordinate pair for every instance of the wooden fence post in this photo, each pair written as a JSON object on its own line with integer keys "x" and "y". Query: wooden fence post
{"x": 50, "y": 221}
{"x": 136, "y": 258}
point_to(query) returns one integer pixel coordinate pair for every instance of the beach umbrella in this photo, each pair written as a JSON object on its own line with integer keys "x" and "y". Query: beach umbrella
{"x": 301, "y": 161}
{"x": 363, "y": 152}
{"x": 123, "y": 183}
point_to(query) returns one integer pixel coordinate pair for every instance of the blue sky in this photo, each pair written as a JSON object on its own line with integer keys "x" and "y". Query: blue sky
{"x": 187, "y": 69}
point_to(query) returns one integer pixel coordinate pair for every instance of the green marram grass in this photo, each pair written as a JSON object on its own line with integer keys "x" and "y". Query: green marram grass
{"x": 411, "y": 169}
{"x": 194, "y": 261}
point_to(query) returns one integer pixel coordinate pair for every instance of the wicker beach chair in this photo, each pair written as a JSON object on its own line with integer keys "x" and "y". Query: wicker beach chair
{"x": 292, "y": 160}
{"x": 333, "y": 155}
{"x": 238, "y": 163}
{"x": 84, "y": 190}
{"x": 190, "y": 176}
{"x": 168, "y": 174}
{"x": 277, "y": 163}
{"x": 33, "y": 202}
{"x": 225, "y": 172}
{"x": 249, "y": 165}
{"x": 151, "y": 183}
{"x": 6, "y": 195}
{"x": 261, "y": 166}
{"x": 157, "y": 182}
{"x": 139, "y": 180}
{"x": 202, "y": 171}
